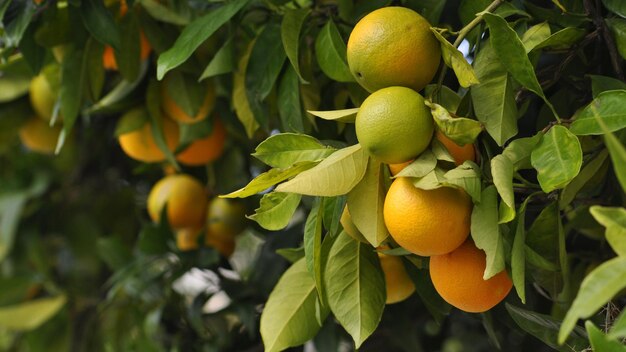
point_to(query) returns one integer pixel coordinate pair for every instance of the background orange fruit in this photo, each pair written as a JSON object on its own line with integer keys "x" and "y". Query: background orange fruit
{"x": 226, "y": 218}
{"x": 205, "y": 150}
{"x": 42, "y": 96}
{"x": 38, "y": 136}
{"x": 398, "y": 284}
{"x": 458, "y": 277}
{"x": 459, "y": 153}
{"x": 140, "y": 144}
{"x": 185, "y": 198}
{"x": 173, "y": 110}
{"x": 427, "y": 222}
{"x": 393, "y": 46}
{"x": 108, "y": 56}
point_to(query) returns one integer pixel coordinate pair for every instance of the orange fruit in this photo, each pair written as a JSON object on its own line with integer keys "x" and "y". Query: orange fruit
{"x": 398, "y": 284}
{"x": 458, "y": 277}
{"x": 187, "y": 239}
{"x": 37, "y": 135}
{"x": 459, "y": 153}
{"x": 173, "y": 110}
{"x": 349, "y": 227}
{"x": 394, "y": 125}
{"x": 108, "y": 56}
{"x": 226, "y": 246}
{"x": 427, "y": 222}
{"x": 393, "y": 46}
{"x": 226, "y": 218}
{"x": 42, "y": 96}
{"x": 396, "y": 168}
{"x": 140, "y": 144}
{"x": 205, "y": 150}
{"x": 185, "y": 198}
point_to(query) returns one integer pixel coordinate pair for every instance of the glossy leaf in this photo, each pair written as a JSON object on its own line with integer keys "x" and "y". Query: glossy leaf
{"x": 313, "y": 245}
{"x": 587, "y": 173}
{"x": 607, "y": 107}
{"x": 345, "y": 115}
{"x": 618, "y": 29}
{"x": 557, "y": 158}
{"x": 30, "y": 315}
{"x": 270, "y": 178}
{"x": 355, "y": 287}
{"x": 454, "y": 59}
{"x": 335, "y": 175}
{"x": 601, "y": 84}
{"x": 467, "y": 177}
{"x": 240, "y": 97}
{"x": 420, "y": 167}
{"x": 614, "y": 219}
{"x": 289, "y": 105}
{"x": 222, "y": 62}
{"x": 519, "y": 150}
{"x": 285, "y": 149}
{"x": 461, "y": 130}
{"x": 275, "y": 210}
{"x": 288, "y": 318}
{"x": 163, "y": 13}
{"x": 331, "y": 53}
{"x": 291, "y": 27}
{"x": 618, "y": 7}
{"x": 600, "y": 341}
{"x": 563, "y": 39}
{"x": 518, "y": 253}
{"x": 535, "y": 35}
{"x": 502, "y": 171}
{"x": 486, "y": 231}
{"x": 100, "y": 23}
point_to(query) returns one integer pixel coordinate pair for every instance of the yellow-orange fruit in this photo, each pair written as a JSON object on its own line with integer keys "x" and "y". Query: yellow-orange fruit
{"x": 393, "y": 46}
{"x": 458, "y": 277}
{"x": 459, "y": 153}
{"x": 171, "y": 108}
{"x": 396, "y": 168}
{"x": 226, "y": 218}
{"x": 187, "y": 239}
{"x": 205, "y": 150}
{"x": 185, "y": 198}
{"x": 349, "y": 227}
{"x": 226, "y": 246}
{"x": 37, "y": 135}
{"x": 398, "y": 284}
{"x": 140, "y": 144}
{"x": 42, "y": 96}
{"x": 108, "y": 56}
{"x": 427, "y": 222}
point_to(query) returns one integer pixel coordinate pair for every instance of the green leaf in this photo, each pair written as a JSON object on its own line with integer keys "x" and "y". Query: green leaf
{"x": 223, "y": 61}
{"x": 15, "y": 30}
{"x": 128, "y": 58}
{"x": 289, "y": 105}
{"x": 275, "y": 210}
{"x": 30, "y": 315}
{"x": 345, "y": 115}
{"x": 100, "y": 23}
{"x": 618, "y": 156}
{"x": 285, "y": 149}
{"x": 618, "y": 29}
{"x": 292, "y": 255}
{"x": 618, "y": 330}
{"x": 73, "y": 70}
{"x": 330, "y": 51}
{"x": 420, "y": 167}
{"x": 601, "y": 84}
{"x": 14, "y": 81}
{"x": 606, "y": 106}
{"x": 95, "y": 75}
{"x": 335, "y": 175}
{"x": 467, "y": 177}
{"x": 557, "y": 158}
{"x": 183, "y": 89}
{"x": 288, "y": 318}
{"x": 355, "y": 287}
{"x": 598, "y": 287}
{"x": 365, "y": 203}
{"x": 240, "y": 97}
{"x": 454, "y": 59}
{"x": 506, "y": 214}
{"x": 270, "y": 178}
{"x": 460, "y": 130}
{"x": 502, "y": 172}
{"x": 562, "y": 39}
{"x": 290, "y": 34}
{"x": 618, "y": 7}
{"x": 266, "y": 60}
{"x": 518, "y": 253}
{"x": 494, "y": 97}
{"x": 614, "y": 219}
{"x": 600, "y": 341}
{"x": 313, "y": 245}
{"x": 535, "y": 35}
{"x": 512, "y": 54}
{"x": 590, "y": 169}
{"x": 131, "y": 121}
{"x": 431, "y": 180}
{"x": 153, "y": 98}
{"x": 486, "y": 231}
{"x": 519, "y": 150}
{"x": 195, "y": 34}
{"x": 546, "y": 328}
{"x": 163, "y": 13}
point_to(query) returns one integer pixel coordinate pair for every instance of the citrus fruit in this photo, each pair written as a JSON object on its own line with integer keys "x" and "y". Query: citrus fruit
{"x": 226, "y": 218}
{"x": 185, "y": 198}
{"x": 187, "y": 239}
{"x": 205, "y": 150}
{"x": 42, "y": 96}
{"x": 37, "y": 135}
{"x": 173, "y": 110}
{"x": 394, "y": 125}
{"x": 140, "y": 144}
{"x": 226, "y": 246}
{"x": 427, "y": 222}
{"x": 393, "y": 46}
{"x": 108, "y": 56}
{"x": 459, "y": 153}
{"x": 398, "y": 284}
{"x": 396, "y": 168}
{"x": 458, "y": 277}
{"x": 349, "y": 227}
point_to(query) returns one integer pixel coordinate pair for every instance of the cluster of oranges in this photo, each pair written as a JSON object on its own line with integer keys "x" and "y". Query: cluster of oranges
{"x": 393, "y": 54}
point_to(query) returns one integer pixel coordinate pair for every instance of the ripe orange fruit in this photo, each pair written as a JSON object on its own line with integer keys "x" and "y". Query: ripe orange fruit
{"x": 226, "y": 218}
{"x": 396, "y": 168}
{"x": 173, "y": 110}
{"x": 42, "y": 96}
{"x": 205, "y": 150}
{"x": 458, "y": 277}
{"x": 459, "y": 154}
{"x": 108, "y": 56}
{"x": 187, "y": 239}
{"x": 393, "y": 46}
{"x": 140, "y": 144}
{"x": 349, "y": 227}
{"x": 226, "y": 246}
{"x": 394, "y": 125}
{"x": 185, "y": 198}
{"x": 398, "y": 284}
{"x": 427, "y": 222}
{"x": 37, "y": 135}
